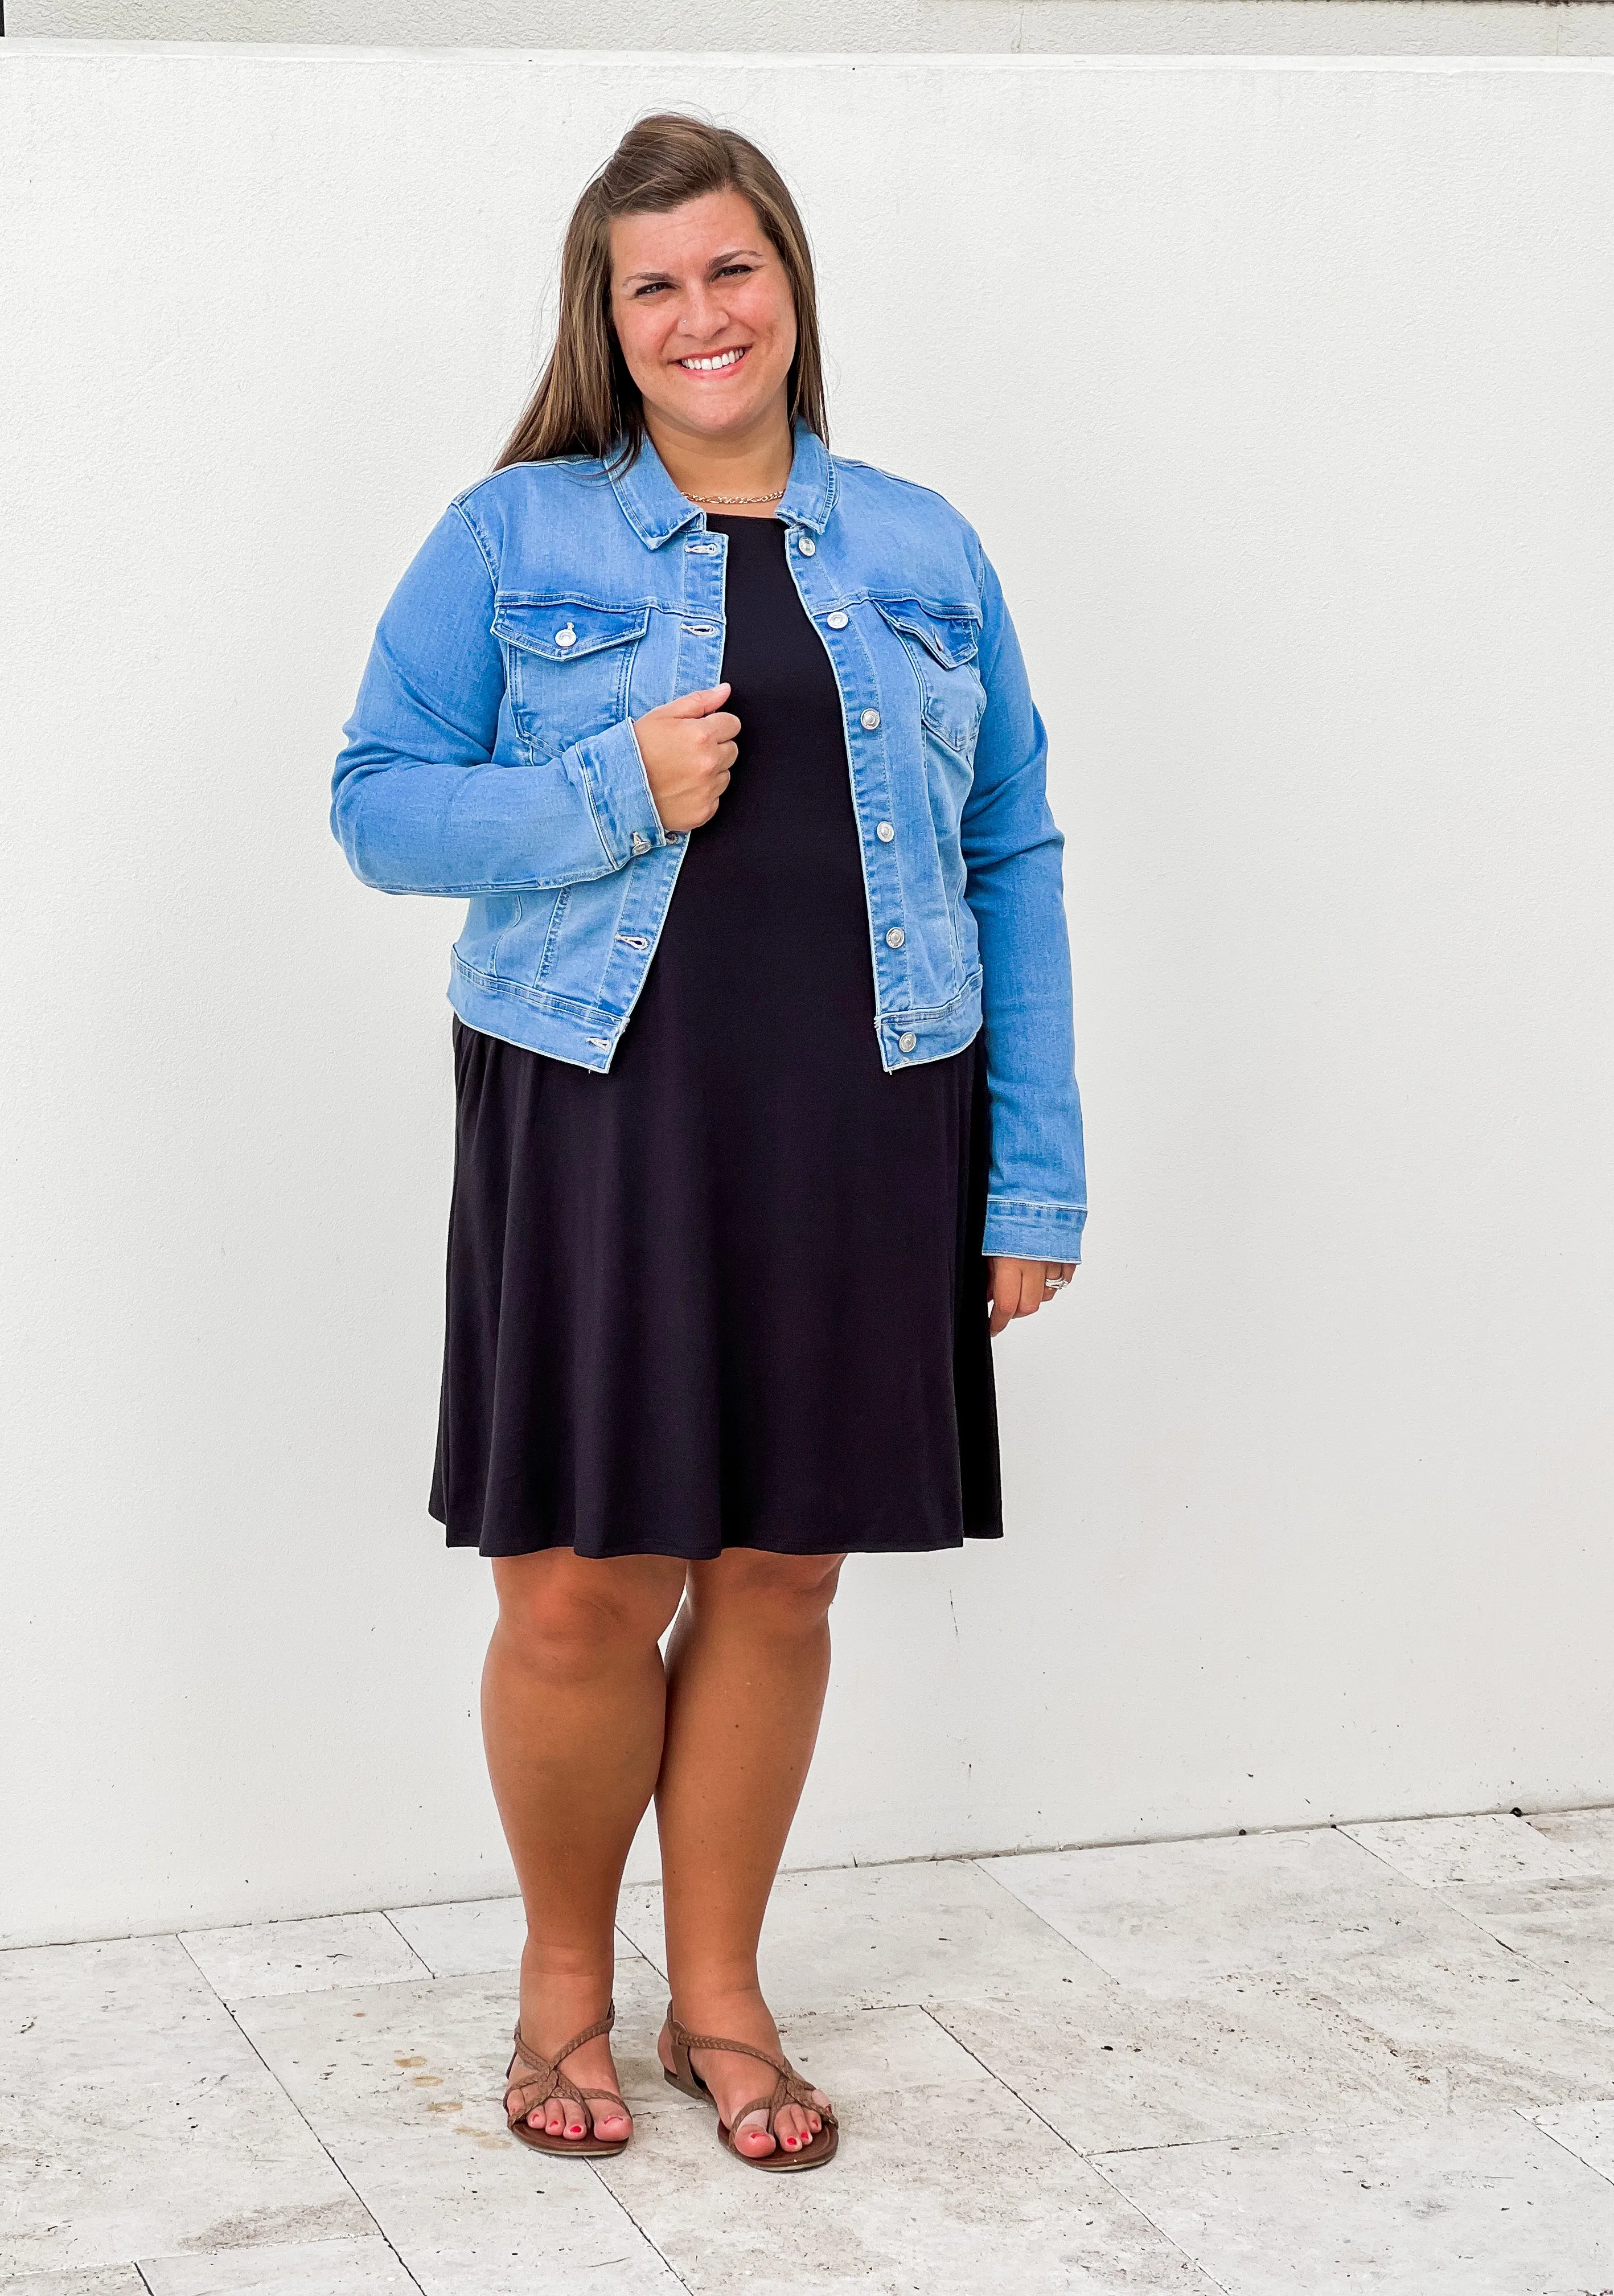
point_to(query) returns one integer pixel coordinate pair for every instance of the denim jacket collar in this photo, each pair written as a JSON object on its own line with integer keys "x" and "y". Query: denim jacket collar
{"x": 654, "y": 508}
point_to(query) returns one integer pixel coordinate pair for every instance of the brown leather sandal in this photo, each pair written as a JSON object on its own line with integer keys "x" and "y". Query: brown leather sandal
{"x": 790, "y": 2088}
{"x": 546, "y": 2079}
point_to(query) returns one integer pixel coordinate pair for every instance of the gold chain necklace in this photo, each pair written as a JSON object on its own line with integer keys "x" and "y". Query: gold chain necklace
{"x": 774, "y": 496}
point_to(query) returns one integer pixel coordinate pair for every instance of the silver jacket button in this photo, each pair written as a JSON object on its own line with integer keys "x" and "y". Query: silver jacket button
{"x": 907, "y": 1041}
{"x": 869, "y": 720}
{"x": 837, "y": 621}
{"x": 884, "y": 831}
{"x": 641, "y": 843}
{"x": 806, "y": 544}
{"x": 895, "y": 937}
{"x": 566, "y": 635}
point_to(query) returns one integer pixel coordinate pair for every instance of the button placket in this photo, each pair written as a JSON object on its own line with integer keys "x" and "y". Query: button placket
{"x": 853, "y": 669}
{"x": 700, "y": 626}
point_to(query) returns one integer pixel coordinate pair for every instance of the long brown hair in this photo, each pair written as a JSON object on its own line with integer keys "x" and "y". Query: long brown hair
{"x": 586, "y": 402}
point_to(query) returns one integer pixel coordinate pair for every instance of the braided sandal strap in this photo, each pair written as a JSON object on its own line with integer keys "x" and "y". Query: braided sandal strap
{"x": 789, "y": 2089}
{"x": 546, "y": 2079}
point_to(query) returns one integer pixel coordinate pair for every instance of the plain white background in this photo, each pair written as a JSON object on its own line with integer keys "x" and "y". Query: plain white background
{"x": 1278, "y": 391}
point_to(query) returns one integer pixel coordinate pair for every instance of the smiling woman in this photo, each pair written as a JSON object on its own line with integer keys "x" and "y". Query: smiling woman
{"x": 768, "y": 1121}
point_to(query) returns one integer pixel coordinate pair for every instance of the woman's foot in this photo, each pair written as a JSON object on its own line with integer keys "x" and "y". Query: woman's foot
{"x": 551, "y": 2011}
{"x": 734, "y": 2080}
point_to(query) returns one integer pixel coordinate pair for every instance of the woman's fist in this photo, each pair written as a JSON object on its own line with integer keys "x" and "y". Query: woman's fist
{"x": 689, "y": 751}
{"x": 1020, "y": 1287}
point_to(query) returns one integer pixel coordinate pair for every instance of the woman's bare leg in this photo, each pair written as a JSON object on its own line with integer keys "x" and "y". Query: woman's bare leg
{"x": 746, "y": 1671}
{"x": 573, "y": 1699}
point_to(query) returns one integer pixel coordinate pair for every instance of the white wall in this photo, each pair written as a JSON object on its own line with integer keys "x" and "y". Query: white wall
{"x": 1279, "y": 394}
{"x": 1543, "y": 27}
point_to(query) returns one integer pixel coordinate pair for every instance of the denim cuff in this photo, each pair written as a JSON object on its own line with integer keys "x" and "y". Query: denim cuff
{"x": 1034, "y": 1230}
{"x": 624, "y": 812}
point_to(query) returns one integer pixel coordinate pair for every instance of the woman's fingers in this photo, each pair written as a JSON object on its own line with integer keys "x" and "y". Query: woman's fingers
{"x": 1019, "y": 1287}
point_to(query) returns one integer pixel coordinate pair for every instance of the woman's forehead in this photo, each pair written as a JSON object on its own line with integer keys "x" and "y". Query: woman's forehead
{"x": 700, "y": 232}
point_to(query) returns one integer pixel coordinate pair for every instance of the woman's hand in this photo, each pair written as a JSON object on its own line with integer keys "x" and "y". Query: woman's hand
{"x": 1019, "y": 1287}
{"x": 689, "y": 749}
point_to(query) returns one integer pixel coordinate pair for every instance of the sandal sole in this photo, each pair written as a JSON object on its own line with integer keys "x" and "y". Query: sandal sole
{"x": 779, "y": 2162}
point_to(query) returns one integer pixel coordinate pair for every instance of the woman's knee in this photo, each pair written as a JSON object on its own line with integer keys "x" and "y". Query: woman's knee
{"x": 570, "y": 1615}
{"x": 786, "y": 1593}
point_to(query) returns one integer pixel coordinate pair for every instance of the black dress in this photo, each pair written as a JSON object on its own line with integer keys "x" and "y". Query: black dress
{"x": 730, "y": 1293}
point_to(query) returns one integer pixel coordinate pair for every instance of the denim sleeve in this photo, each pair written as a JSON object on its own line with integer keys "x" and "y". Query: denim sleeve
{"x": 418, "y": 806}
{"x": 1037, "y": 1202}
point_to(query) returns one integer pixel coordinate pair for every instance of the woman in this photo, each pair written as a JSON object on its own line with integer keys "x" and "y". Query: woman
{"x": 747, "y": 1174}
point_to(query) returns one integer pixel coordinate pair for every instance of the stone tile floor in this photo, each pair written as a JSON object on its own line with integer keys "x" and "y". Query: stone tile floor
{"x": 1366, "y": 2057}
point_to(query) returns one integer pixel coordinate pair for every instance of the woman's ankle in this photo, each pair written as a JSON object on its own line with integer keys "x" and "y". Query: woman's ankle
{"x": 719, "y": 2005}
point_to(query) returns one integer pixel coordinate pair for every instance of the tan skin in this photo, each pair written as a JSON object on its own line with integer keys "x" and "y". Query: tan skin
{"x": 583, "y": 1722}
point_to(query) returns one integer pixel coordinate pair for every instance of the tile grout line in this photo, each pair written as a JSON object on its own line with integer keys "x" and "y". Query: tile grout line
{"x": 1554, "y": 2138}
{"x": 1087, "y": 2158}
{"x": 634, "y": 1948}
{"x": 654, "y": 2249}
{"x": 369, "y": 2213}
{"x": 1437, "y": 1890}
{"x": 408, "y": 1943}
{"x": 1099, "y": 2169}
{"x": 1081, "y": 1952}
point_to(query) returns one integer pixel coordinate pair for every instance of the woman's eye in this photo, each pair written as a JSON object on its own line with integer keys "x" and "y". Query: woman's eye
{"x": 745, "y": 269}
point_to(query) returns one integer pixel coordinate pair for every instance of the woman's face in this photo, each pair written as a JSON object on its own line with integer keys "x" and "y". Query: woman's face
{"x": 704, "y": 314}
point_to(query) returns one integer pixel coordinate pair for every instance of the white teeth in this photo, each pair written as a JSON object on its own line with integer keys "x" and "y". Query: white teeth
{"x": 706, "y": 365}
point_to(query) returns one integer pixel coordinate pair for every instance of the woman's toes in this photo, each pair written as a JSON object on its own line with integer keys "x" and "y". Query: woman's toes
{"x": 753, "y": 2135}
{"x": 612, "y": 2125}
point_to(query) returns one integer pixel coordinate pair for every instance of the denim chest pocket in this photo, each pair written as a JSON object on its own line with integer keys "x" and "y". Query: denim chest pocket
{"x": 567, "y": 662}
{"x": 940, "y": 641}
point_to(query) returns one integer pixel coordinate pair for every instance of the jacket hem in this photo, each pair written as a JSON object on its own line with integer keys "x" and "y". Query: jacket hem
{"x": 588, "y": 1035}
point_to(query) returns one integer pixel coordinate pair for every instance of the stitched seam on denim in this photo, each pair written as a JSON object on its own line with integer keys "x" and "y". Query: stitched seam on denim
{"x": 932, "y": 1012}
{"x": 551, "y": 935}
{"x": 544, "y": 1000}
{"x": 577, "y": 598}
{"x": 501, "y": 937}
{"x": 1017, "y": 1204}
{"x": 470, "y": 529}
{"x": 588, "y": 792}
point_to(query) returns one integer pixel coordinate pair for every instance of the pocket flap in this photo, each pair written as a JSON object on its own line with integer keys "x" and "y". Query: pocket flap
{"x": 947, "y": 632}
{"x": 562, "y": 628}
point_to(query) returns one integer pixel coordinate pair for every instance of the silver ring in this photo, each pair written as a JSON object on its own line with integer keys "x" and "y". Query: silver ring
{"x": 1055, "y": 1283}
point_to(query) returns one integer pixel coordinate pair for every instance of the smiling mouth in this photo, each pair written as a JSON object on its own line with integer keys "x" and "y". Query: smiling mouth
{"x": 718, "y": 362}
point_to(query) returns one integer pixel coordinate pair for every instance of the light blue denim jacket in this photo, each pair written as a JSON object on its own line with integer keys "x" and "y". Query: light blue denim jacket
{"x": 491, "y": 758}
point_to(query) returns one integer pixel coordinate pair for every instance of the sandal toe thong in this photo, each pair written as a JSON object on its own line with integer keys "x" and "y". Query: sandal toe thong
{"x": 545, "y": 2079}
{"x": 789, "y": 2089}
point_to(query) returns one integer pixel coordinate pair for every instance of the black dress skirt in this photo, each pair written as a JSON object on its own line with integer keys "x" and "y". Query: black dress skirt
{"x": 730, "y": 1292}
